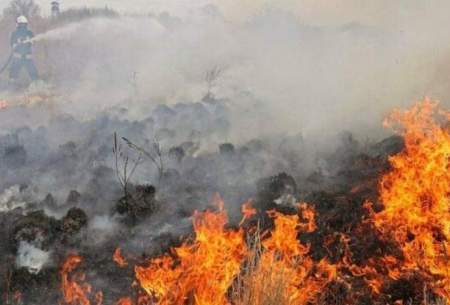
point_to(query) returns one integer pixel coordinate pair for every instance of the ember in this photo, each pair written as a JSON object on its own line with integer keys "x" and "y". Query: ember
{"x": 119, "y": 259}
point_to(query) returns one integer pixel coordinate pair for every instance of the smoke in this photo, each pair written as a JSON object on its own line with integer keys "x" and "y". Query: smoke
{"x": 32, "y": 258}
{"x": 10, "y": 199}
{"x": 280, "y": 77}
{"x": 102, "y": 228}
{"x": 301, "y": 78}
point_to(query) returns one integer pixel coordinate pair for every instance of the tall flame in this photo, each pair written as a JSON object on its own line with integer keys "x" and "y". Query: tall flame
{"x": 282, "y": 253}
{"x": 415, "y": 194}
{"x": 203, "y": 271}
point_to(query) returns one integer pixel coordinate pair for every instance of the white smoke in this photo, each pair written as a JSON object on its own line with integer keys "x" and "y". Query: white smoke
{"x": 276, "y": 68}
{"x": 281, "y": 73}
{"x": 32, "y": 258}
{"x": 102, "y": 228}
{"x": 10, "y": 199}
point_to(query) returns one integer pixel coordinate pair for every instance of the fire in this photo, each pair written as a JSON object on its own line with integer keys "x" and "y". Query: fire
{"x": 119, "y": 259}
{"x": 247, "y": 211}
{"x": 73, "y": 292}
{"x": 200, "y": 271}
{"x": 74, "y": 287}
{"x": 415, "y": 194}
{"x": 370, "y": 273}
{"x": 282, "y": 253}
{"x": 203, "y": 271}
{"x": 124, "y": 301}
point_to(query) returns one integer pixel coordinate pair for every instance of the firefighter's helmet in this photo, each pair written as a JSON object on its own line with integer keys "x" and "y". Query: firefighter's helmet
{"x": 22, "y": 20}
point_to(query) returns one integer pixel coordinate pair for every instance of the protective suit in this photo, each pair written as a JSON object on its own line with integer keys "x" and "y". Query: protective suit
{"x": 22, "y": 57}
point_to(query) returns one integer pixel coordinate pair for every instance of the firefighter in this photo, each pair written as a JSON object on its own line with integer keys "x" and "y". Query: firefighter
{"x": 22, "y": 56}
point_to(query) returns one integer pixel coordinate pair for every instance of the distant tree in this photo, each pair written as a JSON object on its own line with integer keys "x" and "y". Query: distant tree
{"x": 77, "y": 14}
{"x": 17, "y": 8}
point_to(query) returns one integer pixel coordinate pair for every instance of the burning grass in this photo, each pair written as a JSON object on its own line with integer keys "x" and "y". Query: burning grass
{"x": 415, "y": 194}
{"x": 404, "y": 257}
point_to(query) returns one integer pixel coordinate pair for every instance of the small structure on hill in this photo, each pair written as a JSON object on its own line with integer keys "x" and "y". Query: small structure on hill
{"x": 55, "y": 9}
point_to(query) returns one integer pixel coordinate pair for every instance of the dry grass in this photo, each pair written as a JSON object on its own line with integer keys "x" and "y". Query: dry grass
{"x": 268, "y": 287}
{"x": 259, "y": 286}
{"x": 262, "y": 285}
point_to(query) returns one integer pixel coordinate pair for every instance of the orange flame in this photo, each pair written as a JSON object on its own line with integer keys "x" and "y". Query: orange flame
{"x": 119, "y": 259}
{"x": 73, "y": 292}
{"x": 124, "y": 301}
{"x": 415, "y": 194}
{"x": 201, "y": 272}
{"x": 283, "y": 253}
{"x": 247, "y": 211}
{"x": 74, "y": 288}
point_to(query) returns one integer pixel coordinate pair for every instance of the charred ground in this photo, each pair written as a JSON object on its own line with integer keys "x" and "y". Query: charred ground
{"x": 153, "y": 213}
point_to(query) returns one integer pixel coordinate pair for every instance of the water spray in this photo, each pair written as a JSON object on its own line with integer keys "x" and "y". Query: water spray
{"x": 58, "y": 33}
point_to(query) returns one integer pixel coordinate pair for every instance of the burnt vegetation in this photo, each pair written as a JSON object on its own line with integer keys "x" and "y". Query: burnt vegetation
{"x": 141, "y": 199}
